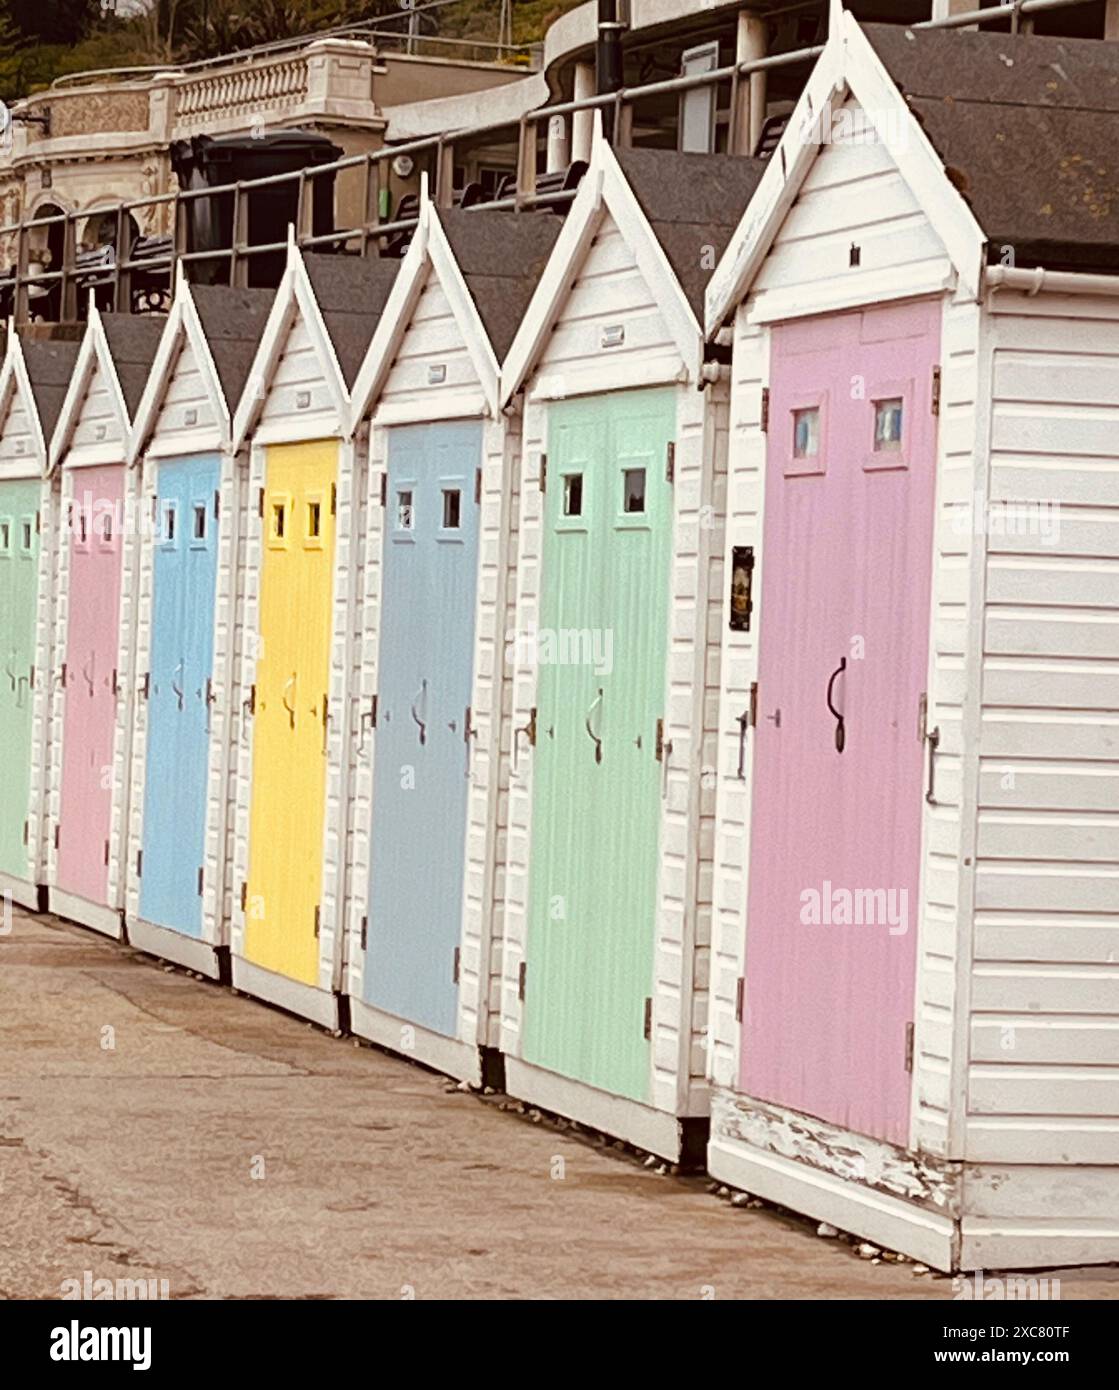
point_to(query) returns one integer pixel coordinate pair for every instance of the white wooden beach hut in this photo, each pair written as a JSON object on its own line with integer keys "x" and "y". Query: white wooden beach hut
{"x": 915, "y": 998}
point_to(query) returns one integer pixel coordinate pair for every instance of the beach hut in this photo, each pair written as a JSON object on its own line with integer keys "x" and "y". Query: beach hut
{"x": 615, "y": 648}
{"x": 306, "y": 471}
{"x": 184, "y": 743}
{"x": 915, "y": 1003}
{"x": 33, "y": 382}
{"x": 91, "y": 721}
{"x": 430, "y": 770}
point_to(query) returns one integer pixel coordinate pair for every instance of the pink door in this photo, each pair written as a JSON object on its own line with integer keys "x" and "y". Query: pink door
{"x": 838, "y": 780}
{"x": 90, "y": 681}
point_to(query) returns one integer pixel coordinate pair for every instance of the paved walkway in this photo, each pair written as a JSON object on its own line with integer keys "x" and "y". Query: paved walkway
{"x": 137, "y": 1160}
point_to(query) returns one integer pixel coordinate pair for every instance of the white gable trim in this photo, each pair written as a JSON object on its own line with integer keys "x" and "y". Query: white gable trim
{"x": 604, "y": 190}
{"x": 429, "y": 254}
{"x": 183, "y": 323}
{"x": 295, "y": 297}
{"x": 848, "y": 66}
{"x": 15, "y": 382}
{"x": 93, "y": 354}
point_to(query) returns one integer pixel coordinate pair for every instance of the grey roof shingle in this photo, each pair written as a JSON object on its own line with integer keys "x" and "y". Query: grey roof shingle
{"x": 693, "y": 203}
{"x": 50, "y": 365}
{"x": 133, "y": 341}
{"x": 502, "y": 256}
{"x": 1025, "y": 126}
{"x": 233, "y": 321}
{"x": 351, "y": 293}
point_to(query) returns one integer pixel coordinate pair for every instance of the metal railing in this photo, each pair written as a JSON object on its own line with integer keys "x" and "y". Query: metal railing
{"x": 374, "y": 228}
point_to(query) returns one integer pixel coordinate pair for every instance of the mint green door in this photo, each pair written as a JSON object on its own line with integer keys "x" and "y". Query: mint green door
{"x": 19, "y": 590}
{"x": 602, "y": 651}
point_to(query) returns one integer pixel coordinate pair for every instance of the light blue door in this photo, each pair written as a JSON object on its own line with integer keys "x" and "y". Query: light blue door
{"x": 423, "y": 743}
{"x": 179, "y": 690}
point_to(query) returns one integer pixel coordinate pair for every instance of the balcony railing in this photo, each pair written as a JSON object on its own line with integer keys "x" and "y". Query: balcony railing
{"x": 528, "y": 188}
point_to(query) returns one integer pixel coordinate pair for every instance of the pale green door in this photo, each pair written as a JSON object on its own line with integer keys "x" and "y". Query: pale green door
{"x": 19, "y": 588}
{"x": 602, "y": 651}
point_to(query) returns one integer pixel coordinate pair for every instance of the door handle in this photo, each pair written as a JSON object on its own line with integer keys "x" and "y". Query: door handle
{"x": 420, "y": 724}
{"x": 932, "y": 738}
{"x": 468, "y": 733}
{"x": 840, "y": 722}
{"x": 594, "y": 738}
{"x": 211, "y": 700}
{"x": 288, "y": 685}
{"x": 178, "y": 689}
{"x": 87, "y": 674}
{"x": 529, "y": 732}
{"x": 9, "y": 672}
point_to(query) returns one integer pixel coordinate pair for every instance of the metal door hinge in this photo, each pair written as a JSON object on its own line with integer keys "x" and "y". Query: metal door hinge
{"x": 139, "y": 863}
{"x": 457, "y": 964}
{"x": 384, "y": 489}
{"x": 260, "y": 501}
{"x": 543, "y": 472}
{"x": 244, "y": 896}
{"x": 765, "y": 410}
{"x": 909, "y": 1030}
{"x": 364, "y": 933}
{"x": 57, "y": 833}
{"x": 318, "y": 921}
{"x": 26, "y": 830}
{"x": 477, "y": 486}
{"x": 936, "y": 382}
{"x": 739, "y": 999}
{"x": 648, "y": 1019}
{"x": 106, "y": 851}
{"x": 250, "y": 703}
{"x": 922, "y": 717}
{"x": 217, "y": 504}
{"x": 521, "y": 981}
{"x": 334, "y": 499}
{"x": 201, "y": 879}
{"x": 670, "y": 462}
{"x": 146, "y": 686}
{"x": 660, "y": 740}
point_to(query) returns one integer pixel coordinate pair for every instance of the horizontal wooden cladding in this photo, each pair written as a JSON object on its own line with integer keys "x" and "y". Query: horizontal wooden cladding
{"x": 1074, "y": 887}
{"x": 1046, "y": 989}
{"x": 1030, "y": 1090}
{"x": 1039, "y": 936}
{"x": 1085, "y": 1039}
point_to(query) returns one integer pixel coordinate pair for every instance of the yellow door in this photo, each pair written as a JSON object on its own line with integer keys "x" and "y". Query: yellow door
{"x": 289, "y": 735}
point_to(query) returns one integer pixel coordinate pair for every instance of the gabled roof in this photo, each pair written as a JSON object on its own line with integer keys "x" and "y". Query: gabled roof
{"x": 351, "y": 293}
{"x": 487, "y": 262}
{"x": 50, "y": 365}
{"x": 1026, "y": 129}
{"x": 223, "y": 325}
{"x": 501, "y": 256}
{"x": 693, "y": 202}
{"x": 677, "y": 212}
{"x": 232, "y": 320}
{"x": 342, "y": 299}
{"x": 1006, "y": 142}
{"x": 123, "y": 347}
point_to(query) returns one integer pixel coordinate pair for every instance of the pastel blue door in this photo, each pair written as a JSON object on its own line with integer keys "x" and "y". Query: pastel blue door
{"x": 422, "y": 762}
{"x": 179, "y": 690}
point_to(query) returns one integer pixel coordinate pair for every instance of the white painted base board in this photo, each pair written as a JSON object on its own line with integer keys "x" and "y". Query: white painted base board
{"x": 174, "y": 946}
{"x": 96, "y": 916}
{"x": 653, "y": 1130}
{"x": 448, "y": 1055}
{"x": 305, "y": 1000}
{"x": 19, "y": 891}
{"x": 886, "y": 1221}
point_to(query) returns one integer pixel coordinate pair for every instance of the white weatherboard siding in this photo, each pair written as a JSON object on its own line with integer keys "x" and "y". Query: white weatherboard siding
{"x": 1043, "y": 1082}
{"x": 298, "y": 400}
{"x": 433, "y": 345}
{"x": 853, "y": 196}
{"x": 186, "y": 422}
{"x": 19, "y": 447}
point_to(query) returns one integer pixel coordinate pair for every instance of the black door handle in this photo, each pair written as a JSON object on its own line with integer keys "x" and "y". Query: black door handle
{"x": 840, "y": 723}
